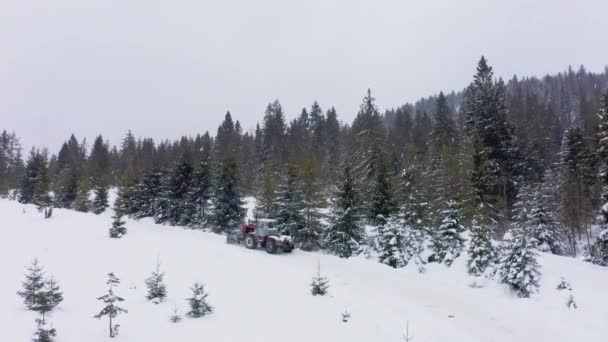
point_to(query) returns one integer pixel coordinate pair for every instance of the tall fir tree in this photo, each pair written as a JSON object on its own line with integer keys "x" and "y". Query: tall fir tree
{"x": 344, "y": 236}
{"x": 228, "y": 212}
{"x": 290, "y": 201}
{"x": 200, "y": 192}
{"x": 100, "y": 199}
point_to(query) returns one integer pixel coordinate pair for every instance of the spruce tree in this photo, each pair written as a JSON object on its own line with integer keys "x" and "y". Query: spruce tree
{"x": 313, "y": 200}
{"x": 391, "y": 241}
{"x": 200, "y": 192}
{"x": 496, "y": 160}
{"x": 481, "y": 252}
{"x": 48, "y": 298}
{"x": 319, "y": 284}
{"x": 600, "y": 247}
{"x": 198, "y": 302}
{"x": 448, "y": 242}
{"x": 100, "y": 201}
{"x": 228, "y": 211}
{"x": 157, "y": 290}
{"x": 382, "y": 199}
{"x": 118, "y": 228}
{"x": 545, "y": 232}
{"x": 111, "y": 304}
{"x": 43, "y": 333}
{"x": 290, "y": 201}
{"x": 518, "y": 266}
{"x": 343, "y": 237}
{"x": 82, "y": 202}
{"x": 32, "y": 286}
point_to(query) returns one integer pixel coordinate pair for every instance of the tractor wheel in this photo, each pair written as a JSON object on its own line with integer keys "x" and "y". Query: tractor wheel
{"x": 287, "y": 248}
{"x": 271, "y": 246}
{"x": 250, "y": 242}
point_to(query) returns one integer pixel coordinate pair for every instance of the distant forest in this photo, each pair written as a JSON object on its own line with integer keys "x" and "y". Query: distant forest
{"x": 496, "y": 152}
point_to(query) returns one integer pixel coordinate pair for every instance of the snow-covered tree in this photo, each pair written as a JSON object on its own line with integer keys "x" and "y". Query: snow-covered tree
{"x": 175, "y": 317}
{"x": 481, "y": 252}
{"x": 343, "y": 237}
{"x": 43, "y": 333}
{"x": 200, "y": 192}
{"x": 100, "y": 201}
{"x": 111, "y": 301}
{"x": 82, "y": 202}
{"x": 118, "y": 228}
{"x": 391, "y": 241}
{"x": 518, "y": 266}
{"x": 313, "y": 200}
{"x": 198, "y": 302}
{"x": 157, "y": 290}
{"x": 600, "y": 248}
{"x": 33, "y": 285}
{"x": 448, "y": 242}
{"x": 228, "y": 211}
{"x": 290, "y": 201}
{"x": 545, "y": 231}
{"x": 319, "y": 284}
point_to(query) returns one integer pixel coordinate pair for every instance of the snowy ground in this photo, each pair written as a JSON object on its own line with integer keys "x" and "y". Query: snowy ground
{"x": 261, "y": 297}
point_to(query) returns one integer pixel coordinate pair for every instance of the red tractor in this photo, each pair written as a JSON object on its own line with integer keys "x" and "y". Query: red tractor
{"x": 264, "y": 233}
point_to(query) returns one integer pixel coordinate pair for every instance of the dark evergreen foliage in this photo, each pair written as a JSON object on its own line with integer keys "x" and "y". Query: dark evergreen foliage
{"x": 198, "y": 302}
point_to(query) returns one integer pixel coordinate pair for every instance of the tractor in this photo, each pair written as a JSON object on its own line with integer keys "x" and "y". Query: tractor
{"x": 265, "y": 233}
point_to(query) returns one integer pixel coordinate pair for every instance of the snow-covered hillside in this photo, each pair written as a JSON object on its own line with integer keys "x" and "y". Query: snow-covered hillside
{"x": 261, "y": 297}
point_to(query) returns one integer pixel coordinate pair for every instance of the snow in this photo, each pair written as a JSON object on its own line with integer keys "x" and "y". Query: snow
{"x": 260, "y": 297}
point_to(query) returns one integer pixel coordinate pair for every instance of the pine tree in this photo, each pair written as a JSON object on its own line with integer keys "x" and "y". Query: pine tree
{"x": 545, "y": 232}
{"x": 382, "y": 201}
{"x": 343, "y": 237}
{"x": 33, "y": 285}
{"x": 577, "y": 185}
{"x": 391, "y": 242}
{"x": 111, "y": 301}
{"x": 481, "y": 252}
{"x": 118, "y": 228}
{"x": 198, "y": 302}
{"x": 157, "y": 290}
{"x": 175, "y": 206}
{"x": 600, "y": 247}
{"x": 496, "y": 160}
{"x": 42, "y": 333}
{"x": 319, "y": 284}
{"x": 200, "y": 192}
{"x": 82, "y": 202}
{"x": 175, "y": 317}
{"x": 290, "y": 201}
{"x": 518, "y": 266}
{"x": 448, "y": 242}
{"x": 48, "y": 298}
{"x": 100, "y": 202}
{"x": 228, "y": 212}
{"x": 309, "y": 236}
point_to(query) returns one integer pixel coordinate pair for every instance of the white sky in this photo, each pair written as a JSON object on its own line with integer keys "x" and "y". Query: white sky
{"x": 169, "y": 68}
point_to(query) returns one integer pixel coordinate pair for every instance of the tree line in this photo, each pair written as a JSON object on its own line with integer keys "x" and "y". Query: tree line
{"x": 497, "y": 153}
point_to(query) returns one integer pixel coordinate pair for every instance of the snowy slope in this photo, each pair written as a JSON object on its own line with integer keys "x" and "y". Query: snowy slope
{"x": 261, "y": 297}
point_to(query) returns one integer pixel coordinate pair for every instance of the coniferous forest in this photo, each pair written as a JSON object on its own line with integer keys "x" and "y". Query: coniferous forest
{"x": 523, "y": 160}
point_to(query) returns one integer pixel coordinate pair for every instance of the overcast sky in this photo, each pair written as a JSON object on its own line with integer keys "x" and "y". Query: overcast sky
{"x": 169, "y": 68}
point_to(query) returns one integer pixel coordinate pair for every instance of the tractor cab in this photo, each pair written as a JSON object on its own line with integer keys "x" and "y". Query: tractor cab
{"x": 266, "y": 227}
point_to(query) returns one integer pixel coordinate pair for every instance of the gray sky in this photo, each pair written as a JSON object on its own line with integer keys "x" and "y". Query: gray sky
{"x": 169, "y": 68}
